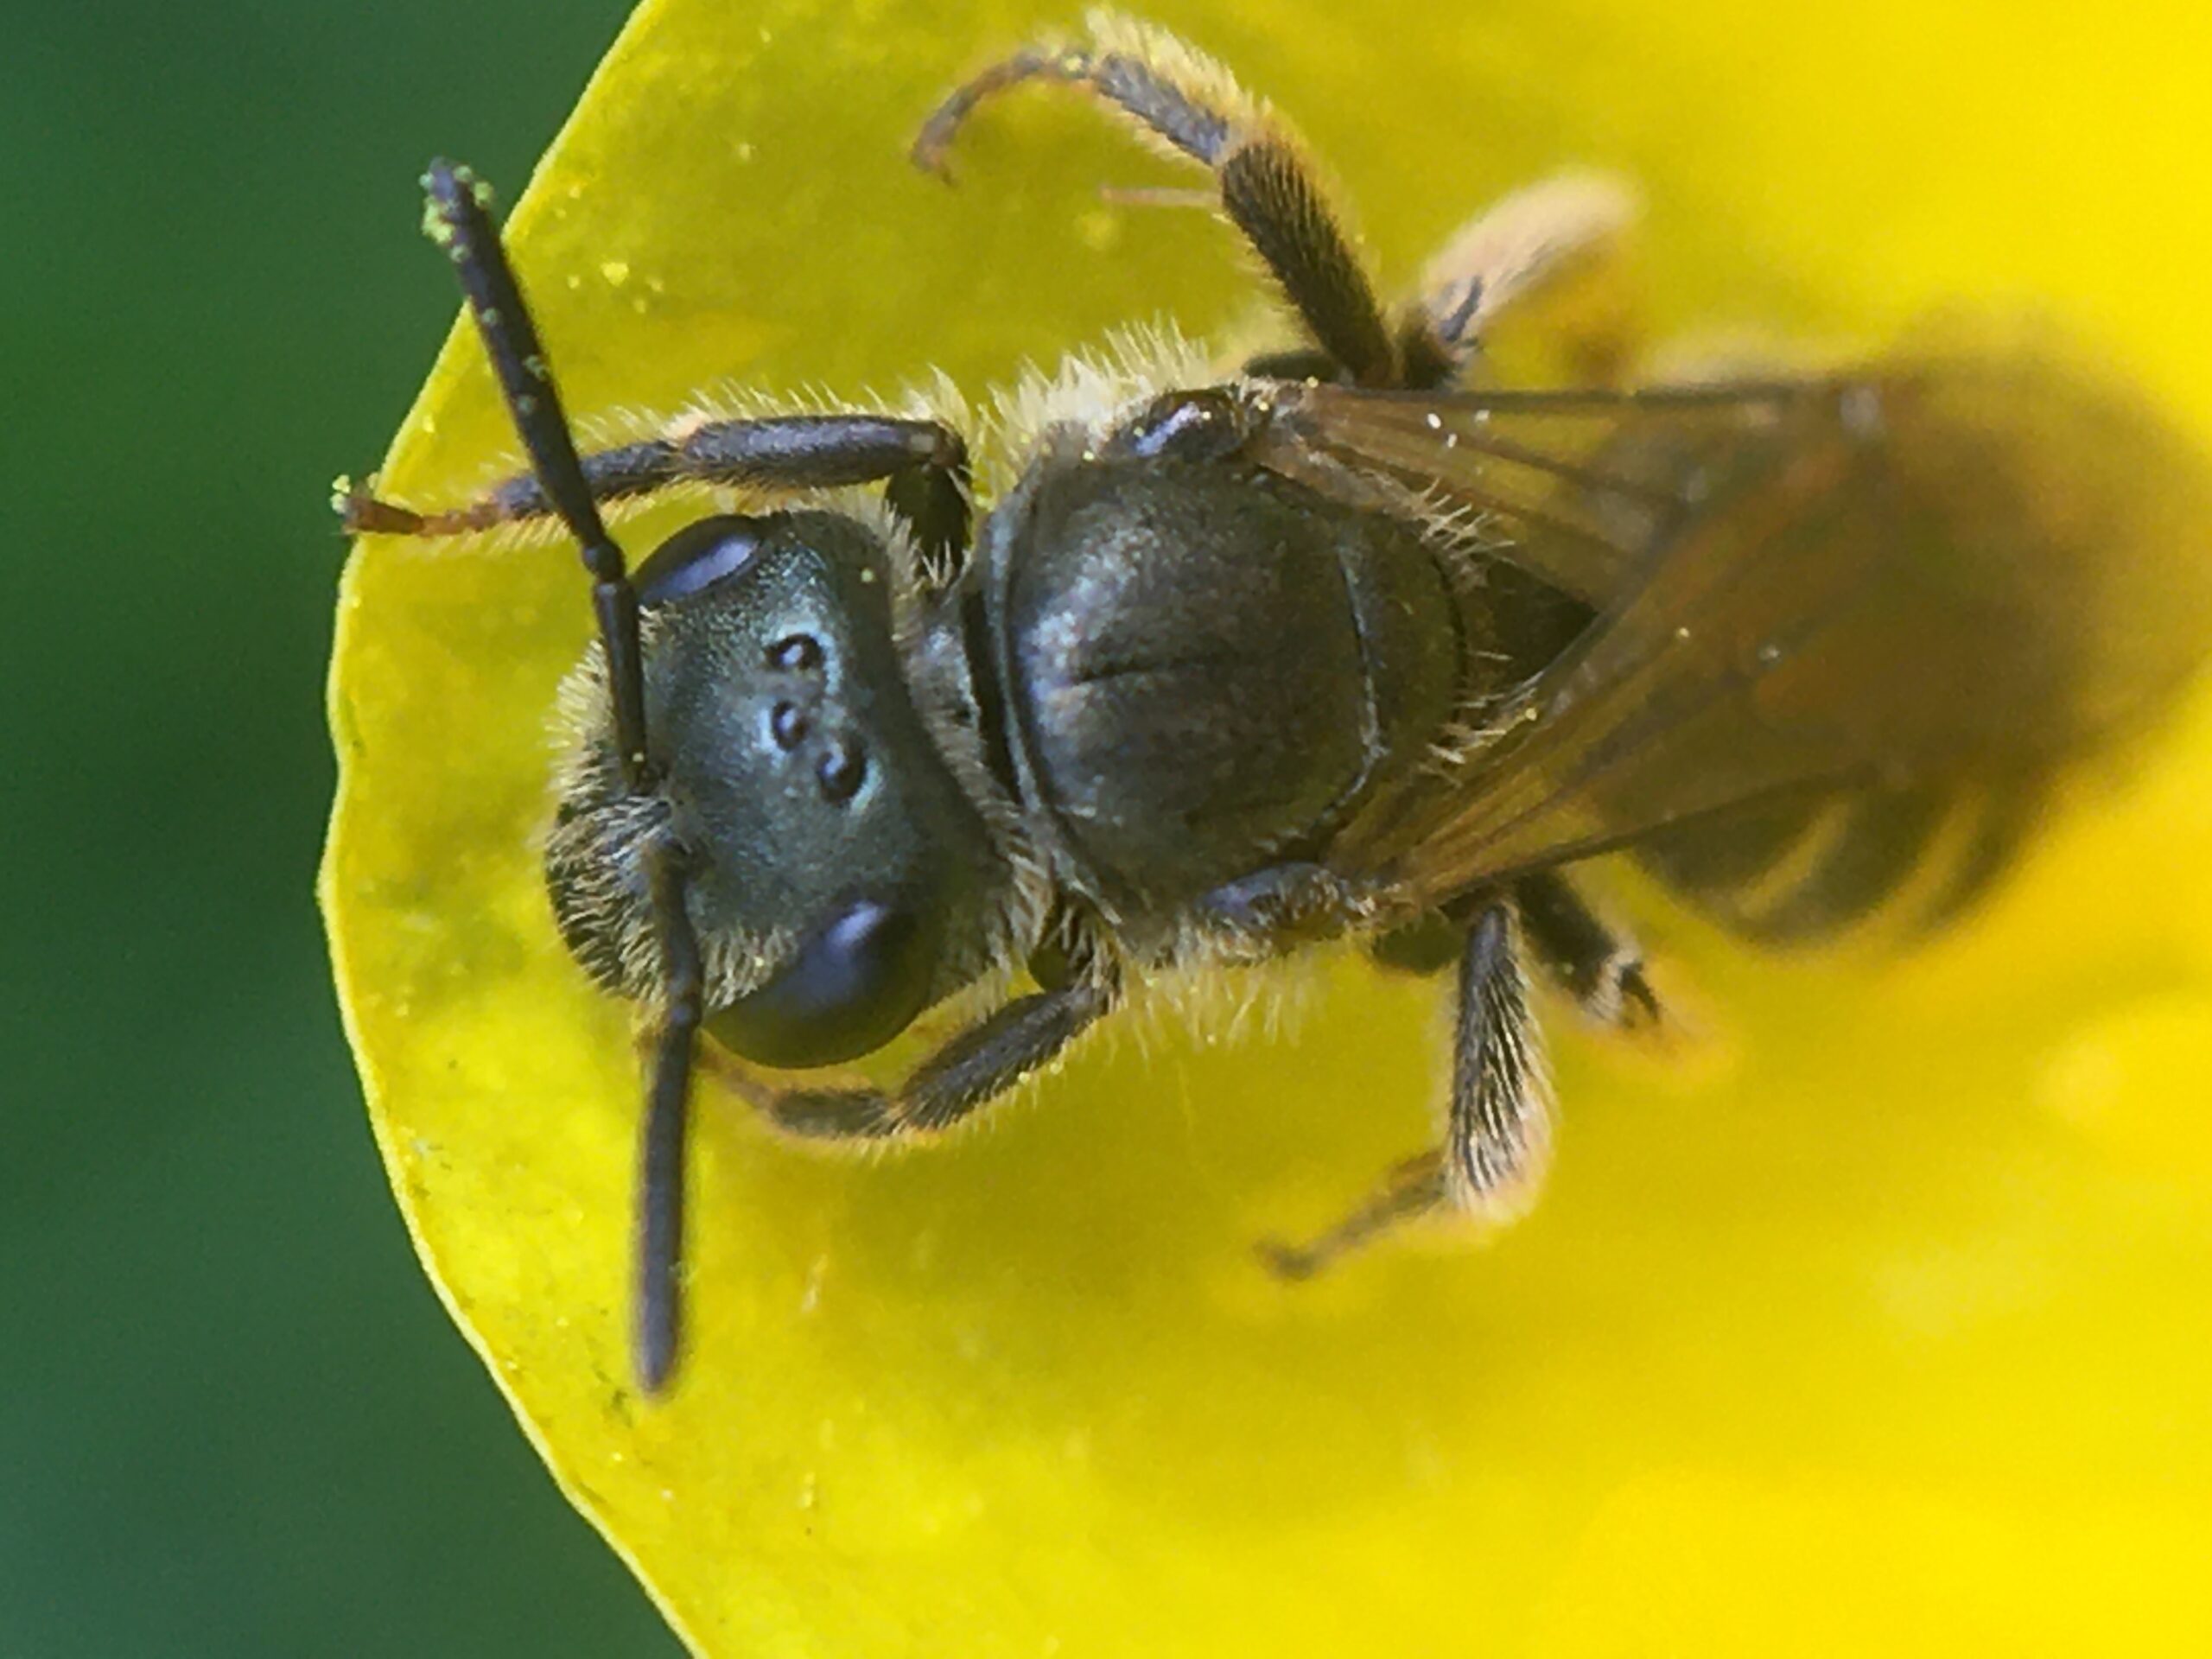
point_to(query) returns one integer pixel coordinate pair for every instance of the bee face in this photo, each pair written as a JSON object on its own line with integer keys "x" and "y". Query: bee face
{"x": 833, "y": 860}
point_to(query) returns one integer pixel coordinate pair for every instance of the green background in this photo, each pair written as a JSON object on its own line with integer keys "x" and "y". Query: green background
{"x": 234, "y": 1419}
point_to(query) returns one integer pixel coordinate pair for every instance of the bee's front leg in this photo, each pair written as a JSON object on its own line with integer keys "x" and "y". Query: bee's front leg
{"x": 922, "y": 464}
{"x": 1498, "y": 1141}
{"x": 970, "y": 1071}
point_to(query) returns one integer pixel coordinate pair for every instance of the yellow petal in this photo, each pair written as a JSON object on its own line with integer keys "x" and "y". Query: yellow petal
{"x": 1898, "y": 1307}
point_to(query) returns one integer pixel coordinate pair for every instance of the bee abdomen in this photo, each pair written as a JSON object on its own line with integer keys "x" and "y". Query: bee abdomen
{"x": 1804, "y": 871}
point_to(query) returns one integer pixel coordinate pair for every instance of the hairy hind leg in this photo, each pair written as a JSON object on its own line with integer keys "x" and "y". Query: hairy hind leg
{"x": 1562, "y": 237}
{"x": 1497, "y": 1137}
{"x": 1553, "y": 252}
{"x": 1181, "y": 98}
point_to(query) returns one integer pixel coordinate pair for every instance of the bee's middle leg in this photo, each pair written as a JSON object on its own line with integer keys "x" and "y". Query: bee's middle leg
{"x": 1583, "y": 953}
{"x": 1275, "y": 909}
{"x": 1535, "y": 242}
{"x": 1498, "y": 1139}
{"x": 1598, "y": 964}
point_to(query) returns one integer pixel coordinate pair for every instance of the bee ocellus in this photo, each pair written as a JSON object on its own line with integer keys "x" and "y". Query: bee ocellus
{"x": 1345, "y": 641}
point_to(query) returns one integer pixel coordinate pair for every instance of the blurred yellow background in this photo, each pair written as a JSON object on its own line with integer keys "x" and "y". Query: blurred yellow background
{"x": 1876, "y": 1323}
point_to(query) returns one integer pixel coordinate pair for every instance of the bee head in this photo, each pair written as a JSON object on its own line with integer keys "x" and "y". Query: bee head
{"x": 838, "y": 876}
{"x": 756, "y": 837}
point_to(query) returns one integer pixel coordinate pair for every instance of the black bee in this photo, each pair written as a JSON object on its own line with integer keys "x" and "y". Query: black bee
{"x": 1346, "y": 643}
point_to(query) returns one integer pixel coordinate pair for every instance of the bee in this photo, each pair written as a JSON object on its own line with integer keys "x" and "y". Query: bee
{"x": 1347, "y": 644}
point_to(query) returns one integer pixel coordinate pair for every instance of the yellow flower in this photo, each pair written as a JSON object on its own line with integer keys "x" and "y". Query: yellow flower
{"x": 1882, "y": 1329}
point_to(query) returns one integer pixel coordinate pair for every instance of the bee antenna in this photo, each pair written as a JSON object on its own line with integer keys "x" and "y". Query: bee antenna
{"x": 660, "y": 1164}
{"x": 458, "y": 218}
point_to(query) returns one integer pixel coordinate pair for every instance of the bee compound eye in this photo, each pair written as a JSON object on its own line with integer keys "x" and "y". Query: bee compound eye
{"x": 857, "y": 981}
{"x": 696, "y": 557}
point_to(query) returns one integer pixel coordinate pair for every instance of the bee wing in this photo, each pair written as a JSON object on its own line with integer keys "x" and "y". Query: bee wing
{"x": 1576, "y": 487}
{"x": 1909, "y": 575}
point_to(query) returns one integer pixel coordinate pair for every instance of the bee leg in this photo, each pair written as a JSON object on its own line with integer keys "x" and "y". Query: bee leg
{"x": 1598, "y": 965}
{"x": 1498, "y": 1141}
{"x": 1536, "y": 242}
{"x": 1304, "y": 363}
{"x": 1414, "y": 1189}
{"x": 923, "y": 466}
{"x": 1267, "y": 190}
{"x": 969, "y": 1072}
{"x": 1274, "y": 910}
{"x": 2007, "y": 822}
{"x": 1427, "y": 945}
